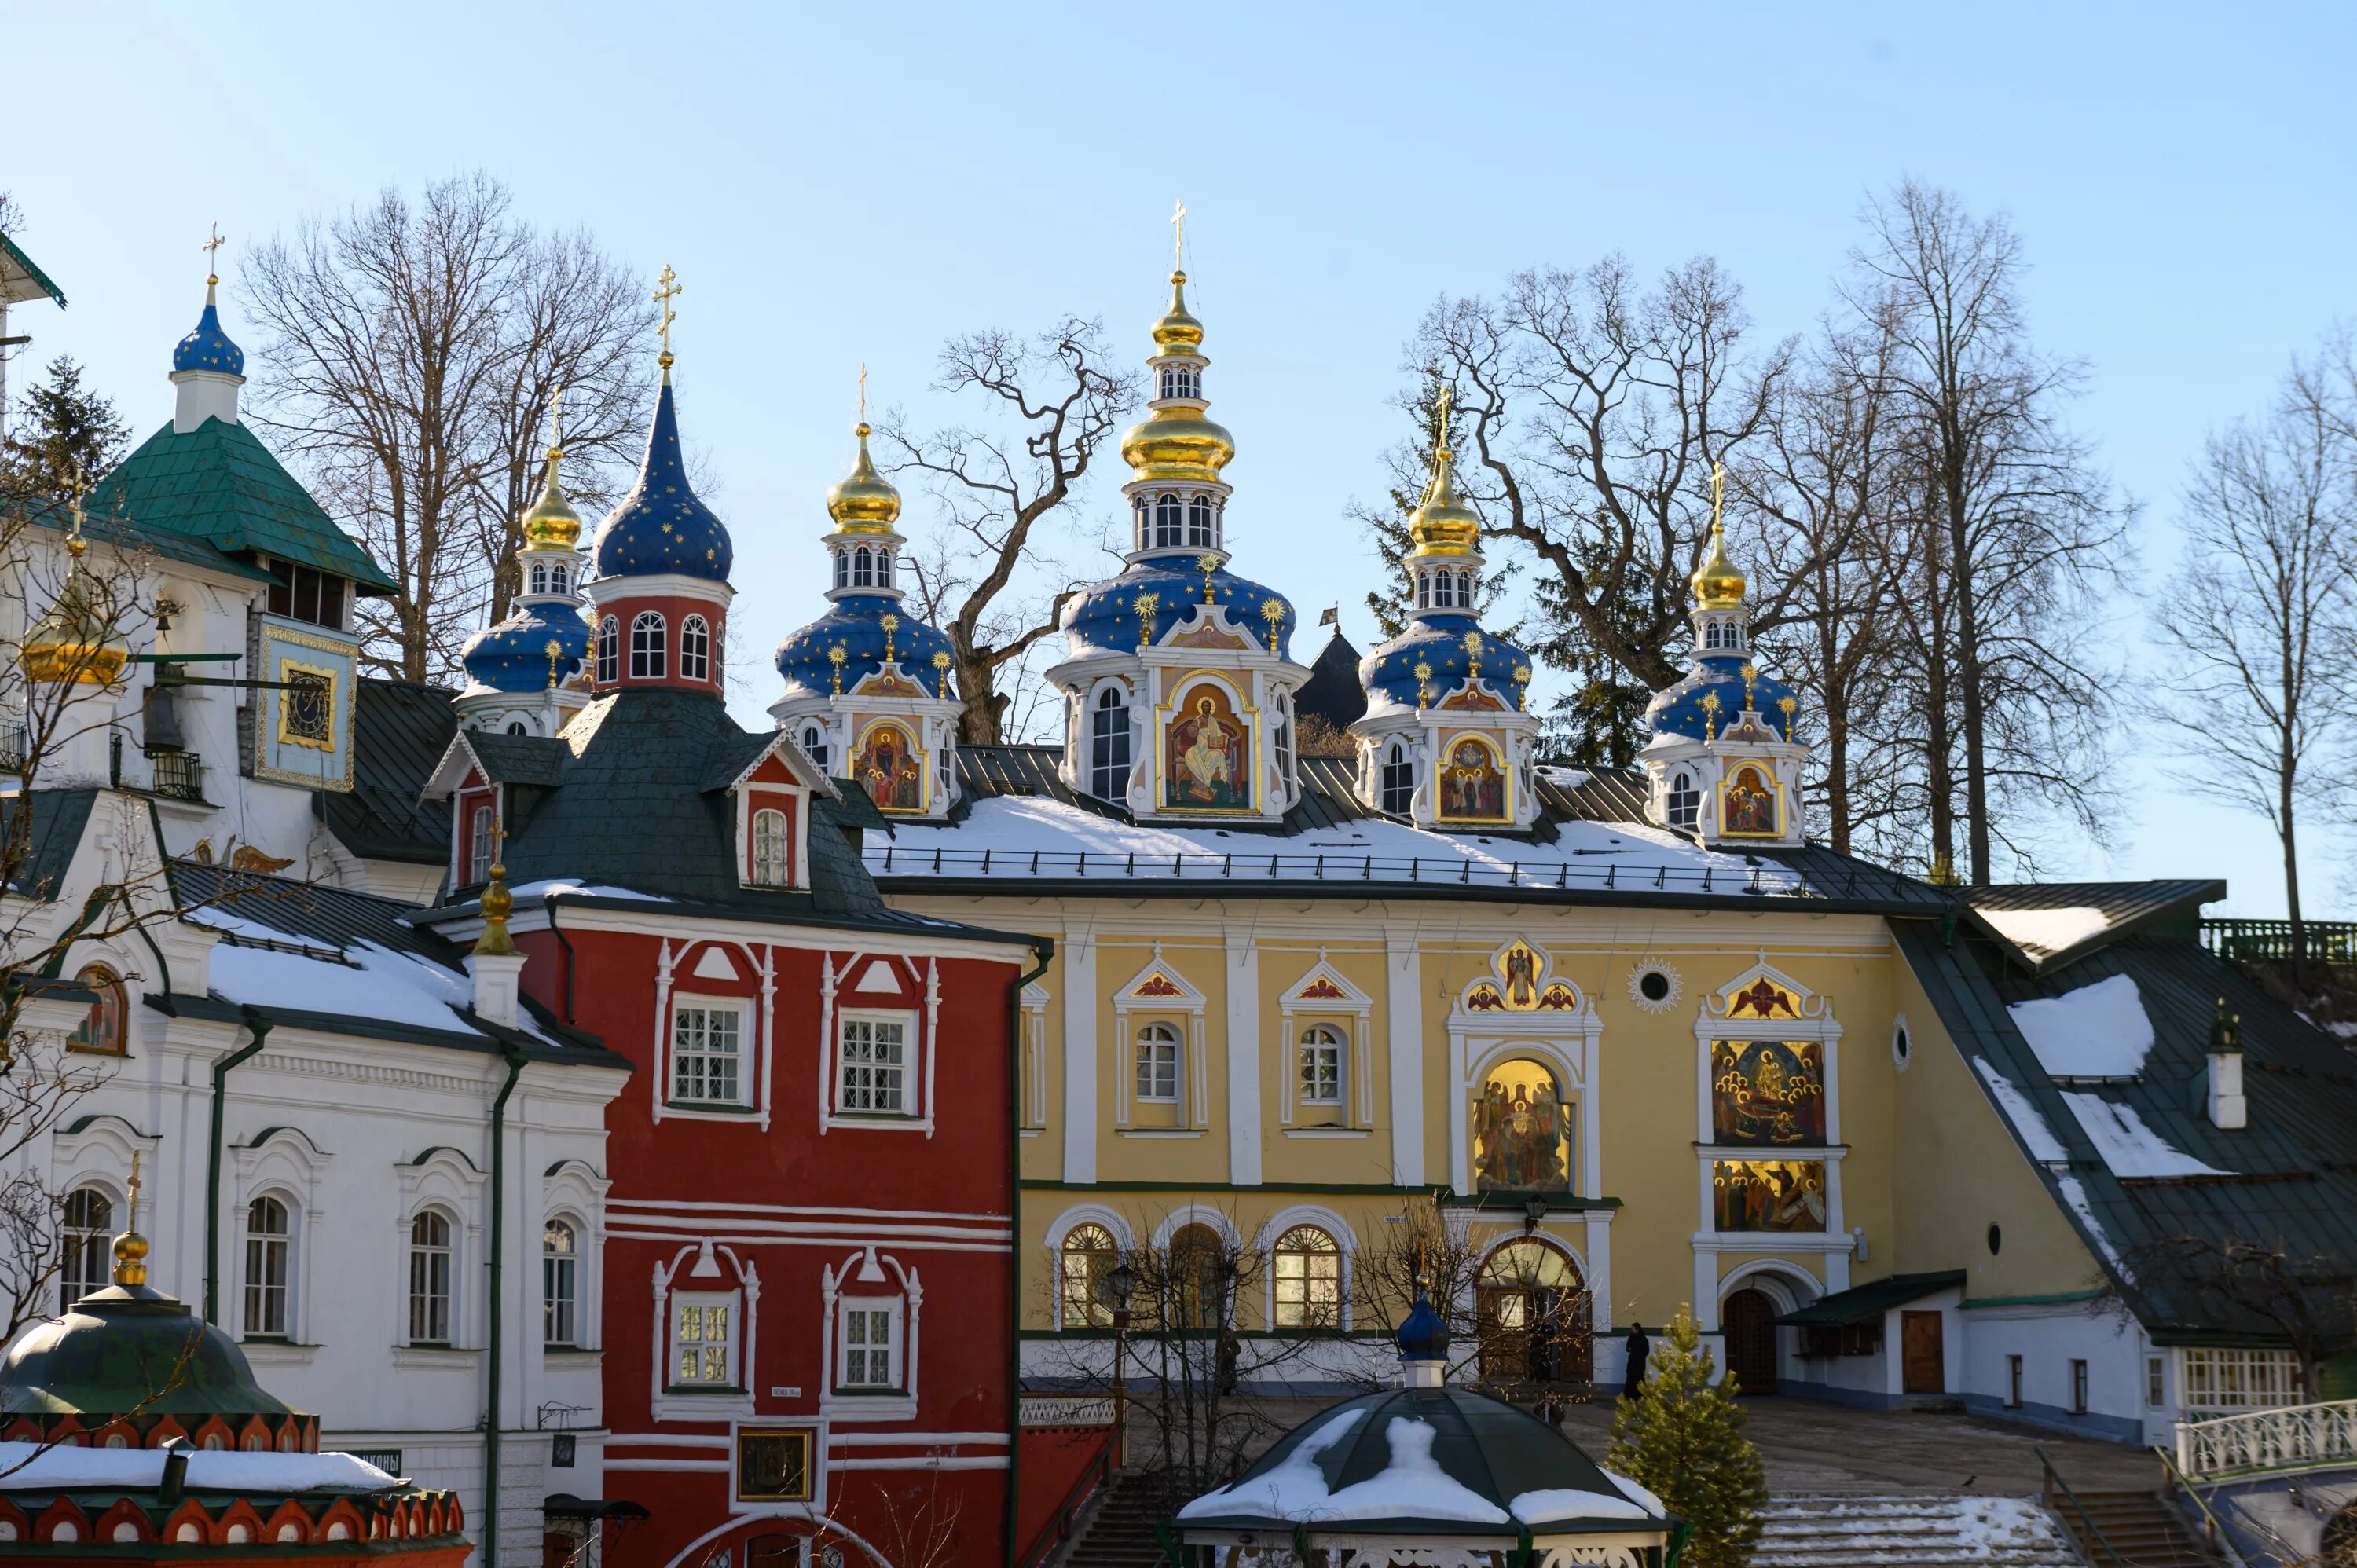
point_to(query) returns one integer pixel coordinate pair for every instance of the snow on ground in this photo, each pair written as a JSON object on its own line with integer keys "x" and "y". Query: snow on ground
{"x": 2096, "y": 1031}
{"x": 26, "y": 1466}
{"x": 1027, "y": 836}
{"x": 2128, "y": 1146}
{"x": 2045, "y": 932}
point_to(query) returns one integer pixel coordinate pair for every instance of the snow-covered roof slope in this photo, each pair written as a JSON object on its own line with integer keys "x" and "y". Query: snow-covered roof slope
{"x": 2043, "y": 932}
{"x": 2129, "y": 1147}
{"x": 28, "y": 1467}
{"x": 2096, "y": 1031}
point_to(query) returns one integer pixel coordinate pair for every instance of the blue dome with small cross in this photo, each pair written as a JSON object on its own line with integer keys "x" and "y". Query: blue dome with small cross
{"x": 855, "y": 623}
{"x": 209, "y": 348}
{"x": 1685, "y": 708}
{"x": 539, "y": 646}
{"x": 661, "y": 526}
{"x": 1438, "y": 643}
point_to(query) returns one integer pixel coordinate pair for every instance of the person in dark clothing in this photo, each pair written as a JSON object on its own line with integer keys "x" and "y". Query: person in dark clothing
{"x": 1554, "y": 1411}
{"x": 1638, "y": 1349}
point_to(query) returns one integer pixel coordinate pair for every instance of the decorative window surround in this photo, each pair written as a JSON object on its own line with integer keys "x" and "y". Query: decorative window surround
{"x": 710, "y": 1272}
{"x": 851, "y": 978}
{"x": 868, "y": 1278}
{"x": 1346, "y": 1243}
{"x": 1323, "y": 995}
{"x": 284, "y": 1163}
{"x": 755, "y": 1034}
{"x": 1034, "y": 1046}
{"x": 1159, "y": 993}
{"x": 876, "y": 1053}
{"x": 572, "y": 1190}
{"x": 441, "y": 1177}
{"x": 1567, "y": 1040}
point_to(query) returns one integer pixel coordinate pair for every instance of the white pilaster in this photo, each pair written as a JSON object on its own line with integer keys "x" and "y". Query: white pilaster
{"x": 1243, "y": 1059}
{"x": 1080, "y": 1002}
{"x": 1600, "y": 1269}
{"x": 1403, "y": 1012}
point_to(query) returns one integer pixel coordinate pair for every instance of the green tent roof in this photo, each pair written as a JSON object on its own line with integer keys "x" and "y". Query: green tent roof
{"x": 220, "y": 484}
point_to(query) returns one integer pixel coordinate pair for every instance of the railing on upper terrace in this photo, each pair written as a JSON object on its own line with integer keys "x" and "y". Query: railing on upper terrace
{"x": 2269, "y": 941}
{"x": 2290, "y": 1437}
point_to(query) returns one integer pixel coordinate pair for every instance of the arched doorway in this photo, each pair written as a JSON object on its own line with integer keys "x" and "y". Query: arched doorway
{"x": 1748, "y": 1318}
{"x": 1532, "y": 1316}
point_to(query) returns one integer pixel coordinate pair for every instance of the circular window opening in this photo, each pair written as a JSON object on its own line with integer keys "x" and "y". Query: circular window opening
{"x": 1901, "y": 1047}
{"x": 1996, "y": 1240}
{"x": 1654, "y": 985}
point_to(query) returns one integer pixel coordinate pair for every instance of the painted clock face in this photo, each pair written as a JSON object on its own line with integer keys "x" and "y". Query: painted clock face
{"x": 303, "y": 732}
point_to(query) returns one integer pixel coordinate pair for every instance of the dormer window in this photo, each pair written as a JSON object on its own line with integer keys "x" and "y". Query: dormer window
{"x": 1396, "y": 787}
{"x": 1200, "y": 531}
{"x": 1170, "y": 523}
{"x": 1685, "y": 801}
{"x": 813, "y": 741}
{"x": 772, "y": 848}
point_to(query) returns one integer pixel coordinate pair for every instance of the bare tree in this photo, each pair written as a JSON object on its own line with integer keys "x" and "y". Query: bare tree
{"x": 413, "y": 349}
{"x": 2238, "y": 1285}
{"x": 2013, "y": 708}
{"x": 1054, "y": 406}
{"x": 2260, "y": 614}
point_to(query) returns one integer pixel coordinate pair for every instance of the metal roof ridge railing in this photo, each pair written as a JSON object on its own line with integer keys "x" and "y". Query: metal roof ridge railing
{"x": 893, "y": 859}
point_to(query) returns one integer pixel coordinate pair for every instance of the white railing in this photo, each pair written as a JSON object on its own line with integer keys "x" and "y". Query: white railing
{"x": 1066, "y": 1410}
{"x": 2295, "y": 1437}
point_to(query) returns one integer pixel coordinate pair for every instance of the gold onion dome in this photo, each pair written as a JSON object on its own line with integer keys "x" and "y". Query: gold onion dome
{"x": 76, "y": 640}
{"x": 1444, "y": 524}
{"x": 1177, "y": 444}
{"x": 1717, "y": 585}
{"x": 551, "y": 519}
{"x": 864, "y": 501}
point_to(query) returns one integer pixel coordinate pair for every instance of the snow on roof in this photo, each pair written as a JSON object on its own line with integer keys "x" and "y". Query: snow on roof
{"x": 574, "y": 884}
{"x": 1567, "y": 1502}
{"x": 2043, "y": 932}
{"x": 1019, "y": 837}
{"x": 2096, "y": 1031}
{"x": 2128, "y": 1146}
{"x": 28, "y": 1467}
{"x": 2044, "y": 1145}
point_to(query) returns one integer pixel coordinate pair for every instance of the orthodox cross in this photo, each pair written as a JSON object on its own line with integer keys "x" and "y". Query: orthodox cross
{"x": 1145, "y": 604}
{"x": 1717, "y": 490}
{"x": 863, "y": 394}
{"x": 1177, "y": 234}
{"x": 669, "y": 289}
{"x": 133, "y": 1222}
{"x": 208, "y": 247}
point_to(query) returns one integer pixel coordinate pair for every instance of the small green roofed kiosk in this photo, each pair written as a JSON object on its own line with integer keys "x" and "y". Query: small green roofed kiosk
{"x": 1428, "y": 1475}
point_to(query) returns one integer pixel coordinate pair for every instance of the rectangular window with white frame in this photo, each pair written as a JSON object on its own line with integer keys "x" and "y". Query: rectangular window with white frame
{"x": 1322, "y": 1052}
{"x": 1158, "y": 1063}
{"x": 867, "y": 1345}
{"x": 707, "y": 1052}
{"x": 703, "y": 1339}
{"x": 874, "y": 1061}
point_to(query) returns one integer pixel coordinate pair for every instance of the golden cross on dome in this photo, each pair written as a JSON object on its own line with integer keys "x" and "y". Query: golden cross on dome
{"x": 669, "y": 288}
{"x": 1178, "y": 236}
{"x": 557, "y": 419}
{"x": 1717, "y": 490}
{"x": 863, "y": 392}
{"x": 212, "y": 271}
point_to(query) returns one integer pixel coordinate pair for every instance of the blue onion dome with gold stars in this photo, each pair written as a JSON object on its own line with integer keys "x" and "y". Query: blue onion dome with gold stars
{"x": 1444, "y": 644}
{"x": 1125, "y": 613}
{"x": 661, "y": 526}
{"x": 539, "y": 646}
{"x": 863, "y": 629}
{"x": 209, "y": 348}
{"x": 1722, "y": 684}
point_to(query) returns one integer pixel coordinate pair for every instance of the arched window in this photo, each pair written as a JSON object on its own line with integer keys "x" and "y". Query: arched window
{"x": 1283, "y": 735}
{"x": 1685, "y": 801}
{"x": 1139, "y": 510}
{"x": 843, "y": 568}
{"x": 1090, "y": 1254}
{"x": 560, "y": 1284}
{"x": 1320, "y": 1064}
{"x": 1198, "y": 522}
{"x": 609, "y": 652}
{"x": 883, "y": 567}
{"x": 1109, "y": 745}
{"x": 1158, "y": 1063}
{"x": 1169, "y": 522}
{"x": 1398, "y": 782}
{"x": 558, "y": 579}
{"x": 1423, "y": 590}
{"x": 539, "y": 577}
{"x": 481, "y": 834}
{"x": 863, "y": 568}
{"x": 102, "y": 1029}
{"x": 1179, "y": 380}
{"x": 1710, "y": 634}
{"x": 1200, "y": 1279}
{"x": 694, "y": 649}
{"x": 770, "y": 847}
{"x": 813, "y": 741}
{"x": 517, "y": 727}
{"x": 88, "y": 1226}
{"x": 1531, "y": 1311}
{"x": 1464, "y": 589}
{"x": 1308, "y": 1279}
{"x": 429, "y": 1278}
{"x": 269, "y": 1246}
{"x": 647, "y": 651}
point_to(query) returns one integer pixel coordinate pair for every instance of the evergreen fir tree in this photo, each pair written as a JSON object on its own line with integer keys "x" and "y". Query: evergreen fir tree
{"x": 62, "y": 435}
{"x": 1599, "y": 723}
{"x": 1681, "y": 1439}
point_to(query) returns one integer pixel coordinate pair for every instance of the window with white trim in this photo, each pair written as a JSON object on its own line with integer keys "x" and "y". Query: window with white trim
{"x": 2219, "y": 1382}
{"x": 1397, "y": 783}
{"x": 1200, "y": 532}
{"x": 1685, "y": 801}
{"x": 868, "y": 1345}
{"x": 429, "y": 1278}
{"x": 539, "y": 577}
{"x": 872, "y": 1064}
{"x": 1308, "y": 1279}
{"x": 843, "y": 568}
{"x": 647, "y": 647}
{"x": 609, "y": 652}
{"x": 1158, "y": 1063}
{"x": 1284, "y": 735}
{"x": 269, "y": 1258}
{"x": 1169, "y": 522}
{"x": 559, "y": 580}
{"x": 695, "y": 649}
{"x": 703, "y": 1339}
{"x": 813, "y": 741}
{"x": 1109, "y": 744}
{"x": 772, "y": 847}
{"x": 560, "y": 1284}
{"x": 1321, "y": 1064}
{"x": 707, "y": 1052}
{"x": 89, "y": 1226}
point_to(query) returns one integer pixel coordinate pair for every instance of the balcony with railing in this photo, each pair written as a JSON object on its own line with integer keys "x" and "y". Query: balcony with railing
{"x": 172, "y": 775}
{"x": 2261, "y": 1442}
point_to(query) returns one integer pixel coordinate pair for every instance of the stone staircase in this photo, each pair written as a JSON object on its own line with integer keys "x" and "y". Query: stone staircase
{"x": 2138, "y": 1531}
{"x": 1119, "y": 1532}
{"x": 1918, "y": 1531}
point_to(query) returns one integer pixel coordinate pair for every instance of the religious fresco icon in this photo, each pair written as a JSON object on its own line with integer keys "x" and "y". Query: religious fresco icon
{"x": 1206, "y": 765}
{"x": 1780, "y": 1195}
{"x": 887, "y": 766}
{"x": 1767, "y": 1092}
{"x": 1472, "y": 785}
{"x": 1522, "y": 1131}
{"x": 1748, "y": 807}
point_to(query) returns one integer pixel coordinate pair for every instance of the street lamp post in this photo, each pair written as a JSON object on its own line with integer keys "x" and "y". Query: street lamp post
{"x": 1116, "y": 1289}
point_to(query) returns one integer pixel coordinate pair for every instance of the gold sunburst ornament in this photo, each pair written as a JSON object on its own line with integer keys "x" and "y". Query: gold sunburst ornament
{"x": 890, "y": 623}
{"x": 1146, "y": 604}
{"x": 1709, "y": 717}
{"x": 1751, "y": 673}
{"x": 942, "y": 673}
{"x": 1789, "y": 707}
{"x": 1423, "y": 673}
{"x": 835, "y": 656}
{"x": 1210, "y": 564}
{"x": 1272, "y": 612}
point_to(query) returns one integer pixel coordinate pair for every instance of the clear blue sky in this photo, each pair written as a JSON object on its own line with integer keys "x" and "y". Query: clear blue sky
{"x": 844, "y": 183}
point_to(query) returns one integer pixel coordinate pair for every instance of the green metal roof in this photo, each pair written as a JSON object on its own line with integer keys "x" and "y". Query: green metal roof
{"x": 1872, "y": 1299}
{"x": 398, "y": 732}
{"x": 221, "y": 484}
{"x": 20, "y": 280}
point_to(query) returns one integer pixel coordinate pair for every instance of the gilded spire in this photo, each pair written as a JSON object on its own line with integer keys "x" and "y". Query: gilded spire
{"x": 551, "y": 519}
{"x": 1176, "y": 442}
{"x": 131, "y": 1248}
{"x": 1444, "y": 525}
{"x": 1717, "y": 585}
{"x": 667, "y": 288}
{"x": 866, "y": 501}
{"x": 498, "y": 903}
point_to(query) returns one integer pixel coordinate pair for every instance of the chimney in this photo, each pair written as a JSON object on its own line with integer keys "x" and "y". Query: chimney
{"x": 2227, "y": 1107}
{"x": 497, "y": 967}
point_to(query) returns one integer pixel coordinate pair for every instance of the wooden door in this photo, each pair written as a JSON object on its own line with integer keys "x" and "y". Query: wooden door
{"x": 1922, "y": 1357}
{"x": 1748, "y": 1318}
